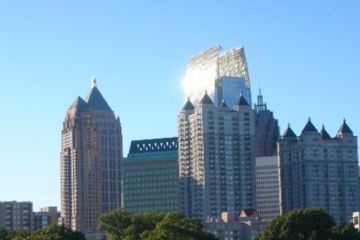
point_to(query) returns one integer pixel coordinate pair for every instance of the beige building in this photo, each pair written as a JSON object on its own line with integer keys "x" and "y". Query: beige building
{"x": 267, "y": 188}
{"x": 216, "y": 158}
{"x": 318, "y": 171}
{"x": 243, "y": 225}
{"x": 91, "y": 155}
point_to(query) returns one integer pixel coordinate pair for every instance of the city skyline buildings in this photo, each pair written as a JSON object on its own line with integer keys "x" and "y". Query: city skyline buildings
{"x": 91, "y": 159}
{"x": 44, "y": 53}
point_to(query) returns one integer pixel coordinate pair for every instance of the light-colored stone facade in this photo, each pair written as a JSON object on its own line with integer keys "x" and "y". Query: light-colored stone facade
{"x": 216, "y": 158}
{"x": 318, "y": 171}
{"x": 267, "y": 188}
{"x": 91, "y": 155}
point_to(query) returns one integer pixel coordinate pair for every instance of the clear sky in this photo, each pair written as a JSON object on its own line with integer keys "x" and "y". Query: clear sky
{"x": 303, "y": 54}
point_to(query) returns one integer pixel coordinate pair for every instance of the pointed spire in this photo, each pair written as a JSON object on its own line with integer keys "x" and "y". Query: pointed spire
{"x": 95, "y": 100}
{"x": 289, "y": 133}
{"x": 309, "y": 127}
{"x": 93, "y": 82}
{"x": 223, "y": 104}
{"x": 206, "y": 99}
{"x": 260, "y": 105}
{"x": 324, "y": 134}
{"x": 344, "y": 128}
{"x": 188, "y": 106}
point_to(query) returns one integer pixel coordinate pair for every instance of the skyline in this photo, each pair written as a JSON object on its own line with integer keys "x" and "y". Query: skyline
{"x": 304, "y": 57}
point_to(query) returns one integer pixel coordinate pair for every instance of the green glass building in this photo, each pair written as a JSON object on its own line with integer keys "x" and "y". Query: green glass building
{"x": 150, "y": 178}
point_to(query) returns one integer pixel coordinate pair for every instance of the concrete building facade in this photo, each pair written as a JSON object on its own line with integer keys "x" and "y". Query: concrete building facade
{"x": 317, "y": 171}
{"x": 150, "y": 176}
{"x": 216, "y": 158}
{"x": 267, "y": 188}
{"x": 46, "y": 217}
{"x": 91, "y": 158}
{"x": 16, "y": 216}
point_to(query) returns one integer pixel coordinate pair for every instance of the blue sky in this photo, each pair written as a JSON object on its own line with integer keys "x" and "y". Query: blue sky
{"x": 303, "y": 54}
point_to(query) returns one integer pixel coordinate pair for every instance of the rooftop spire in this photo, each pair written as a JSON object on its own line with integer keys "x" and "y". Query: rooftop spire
{"x": 93, "y": 82}
{"x": 289, "y": 133}
{"x": 309, "y": 127}
{"x": 260, "y": 105}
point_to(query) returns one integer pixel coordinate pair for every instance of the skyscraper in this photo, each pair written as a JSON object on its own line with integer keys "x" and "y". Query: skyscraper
{"x": 267, "y": 130}
{"x": 216, "y": 158}
{"x": 318, "y": 171}
{"x": 223, "y": 76}
{"x": 91, "y": 155}
{"x": 150, "y": 179}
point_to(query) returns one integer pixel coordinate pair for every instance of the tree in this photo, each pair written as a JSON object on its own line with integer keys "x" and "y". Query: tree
{"x": 55, "y": 232}
{"x": 175, "y": 226}
{"x": 123, "y": 225}
{"x": 303, "y": 224}
{"x": 5, "y": 234}
{"x": 345, "y": 232}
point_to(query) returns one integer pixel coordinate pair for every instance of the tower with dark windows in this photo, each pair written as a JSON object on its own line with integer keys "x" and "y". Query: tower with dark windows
{"x": 91, "y": 155}
{"x": 318, "y": 171}
{"x": 216, "y": 158}
{"x": 267, "y": 131}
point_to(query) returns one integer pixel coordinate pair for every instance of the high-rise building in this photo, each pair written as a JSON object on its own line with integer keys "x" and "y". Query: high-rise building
{"x": 150, "y": 176}
{"x": 317, "y": 171}
{"x": 267, "y": 188}
{"x": 216, "y": 158}
{"x": 267, "y": 131}
{"x": 16, "y": 216}
{"x": 91, "y": 156}
{"x": 223, "y": 76}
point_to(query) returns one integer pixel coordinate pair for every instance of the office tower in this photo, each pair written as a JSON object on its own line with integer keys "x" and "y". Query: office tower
{"x": 267, "y": 131}
{"x": 150, "y": 176}
{"x": 91, "y": 155}
{"x": 16, "y": 216}
{"x": 46, "y": 217}
{"x": 317, "y": 171}
{"x": 216, "y": 158}
{"x": 223, "y": 76}
{"x": 267, "y": 188}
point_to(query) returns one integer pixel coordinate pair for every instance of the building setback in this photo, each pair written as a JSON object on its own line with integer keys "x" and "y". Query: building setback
{"x": 216, "y": 158}
{"x": 91, "y": 155}
{"x": 47, "y": 216}
{"x": 16, "y": 216}
{"x": 150, "y": 178}
{"x": 318, "y": 171}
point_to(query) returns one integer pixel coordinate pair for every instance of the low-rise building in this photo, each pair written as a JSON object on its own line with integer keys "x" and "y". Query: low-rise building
{"x": 16, "y": 215}
{"x": 47, "y": 216}
{"x": 234, "y": 226}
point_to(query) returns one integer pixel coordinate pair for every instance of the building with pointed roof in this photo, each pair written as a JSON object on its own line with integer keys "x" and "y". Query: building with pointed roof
{"x": 317, "y": 171}
{"x": 216, "y": 158}
{"x": 91, "y": 156}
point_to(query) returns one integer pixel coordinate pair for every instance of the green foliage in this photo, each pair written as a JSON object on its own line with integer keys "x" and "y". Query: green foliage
{"x": 5, "y": 234}
{"x": 175, "y": 226}
{"x": 303, "y": 224}
{"x": 345, "y": 232}
{"x": 123, "y": 225}
{"x": 55, "y": 232}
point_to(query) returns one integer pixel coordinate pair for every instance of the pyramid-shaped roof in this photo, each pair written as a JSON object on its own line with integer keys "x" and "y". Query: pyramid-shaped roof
{"x": 309, "y": 127}
{"x": 324, "y": 134}
{"x": 289, "y": 133}
{"x": 242, "y": 101}
{"x": 223, "y": 104}
{"x": 78, "y": 103}
{"x": 206, "y": 99}
{"x": 96, "y": 101}
{"x": 188, "y": 106}
{"x": 344, "y": 128}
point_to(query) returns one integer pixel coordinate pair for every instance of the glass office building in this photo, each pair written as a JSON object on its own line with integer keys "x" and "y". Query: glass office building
{"x": 150, "y": 180}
